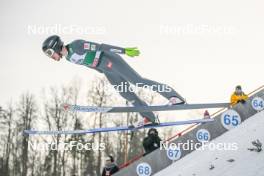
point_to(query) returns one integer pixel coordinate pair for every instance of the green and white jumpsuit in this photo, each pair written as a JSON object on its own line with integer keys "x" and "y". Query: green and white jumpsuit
{"x": 107, "y": 60}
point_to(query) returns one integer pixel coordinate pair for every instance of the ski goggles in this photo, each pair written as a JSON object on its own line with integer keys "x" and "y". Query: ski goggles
{"x": 49, "y": 52}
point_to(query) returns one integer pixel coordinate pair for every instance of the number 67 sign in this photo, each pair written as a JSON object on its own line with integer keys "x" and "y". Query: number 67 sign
{"x": 230, "y": 119}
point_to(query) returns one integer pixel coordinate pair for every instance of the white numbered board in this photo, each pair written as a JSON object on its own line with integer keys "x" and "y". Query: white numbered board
{"x": 257, "y": 103}
{"x": 230, "y": 119}
{"x": 203, "y": 135}
{"x": 144, "y": 169}
{"x": 174, "y": 153}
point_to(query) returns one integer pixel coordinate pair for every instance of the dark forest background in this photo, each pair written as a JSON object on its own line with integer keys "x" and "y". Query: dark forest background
{"x": 18, "y": 158}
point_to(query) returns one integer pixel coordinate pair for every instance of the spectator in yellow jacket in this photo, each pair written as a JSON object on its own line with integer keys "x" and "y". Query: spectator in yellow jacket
{"x": 238, "y": 96}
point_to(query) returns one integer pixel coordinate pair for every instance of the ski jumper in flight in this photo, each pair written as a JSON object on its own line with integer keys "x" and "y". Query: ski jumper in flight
{"x": 107, "y": 60}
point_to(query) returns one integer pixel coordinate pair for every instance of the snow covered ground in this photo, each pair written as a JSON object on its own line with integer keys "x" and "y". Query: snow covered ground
{"x": 240, "y": 162}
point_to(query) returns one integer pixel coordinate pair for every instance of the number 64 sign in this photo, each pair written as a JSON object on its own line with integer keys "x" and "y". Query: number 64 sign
{"x": 257, "y": 103}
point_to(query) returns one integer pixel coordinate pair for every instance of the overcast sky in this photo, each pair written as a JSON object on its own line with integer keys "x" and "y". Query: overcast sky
{"x": 202, "y": 48}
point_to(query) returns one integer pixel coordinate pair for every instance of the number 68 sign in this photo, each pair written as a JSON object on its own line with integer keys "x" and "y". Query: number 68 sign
{"x": 144, "y": 169}
{"x": 230, "y": 119}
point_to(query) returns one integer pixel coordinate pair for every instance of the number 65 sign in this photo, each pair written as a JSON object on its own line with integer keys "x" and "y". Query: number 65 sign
{"x": 230, "y": 119}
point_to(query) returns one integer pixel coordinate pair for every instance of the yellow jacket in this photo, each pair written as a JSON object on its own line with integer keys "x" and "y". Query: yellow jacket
{"x": 236, "y": 98}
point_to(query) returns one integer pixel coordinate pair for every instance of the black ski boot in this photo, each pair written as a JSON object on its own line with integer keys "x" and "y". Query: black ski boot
{"x": 257, "y": 144}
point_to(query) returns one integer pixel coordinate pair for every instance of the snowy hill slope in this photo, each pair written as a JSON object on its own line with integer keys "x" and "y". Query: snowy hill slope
{"x": 240, "y": 162}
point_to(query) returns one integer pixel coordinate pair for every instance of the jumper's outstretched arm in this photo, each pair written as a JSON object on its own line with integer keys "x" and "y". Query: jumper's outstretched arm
{"x": 119, "y": 50}
{"x": 111, "y": 48}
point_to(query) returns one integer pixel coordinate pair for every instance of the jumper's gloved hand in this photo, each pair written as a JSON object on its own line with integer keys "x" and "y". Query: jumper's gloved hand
{"x": 132, "y": 52}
